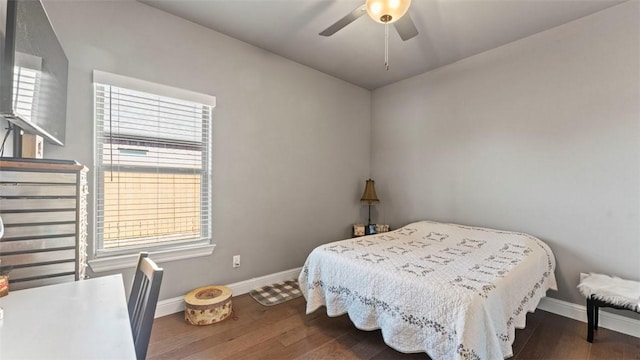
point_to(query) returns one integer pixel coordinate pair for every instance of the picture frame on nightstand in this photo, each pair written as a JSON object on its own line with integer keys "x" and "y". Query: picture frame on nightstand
{"x": 358, "y": 230}
{"x": 370, "y": 229}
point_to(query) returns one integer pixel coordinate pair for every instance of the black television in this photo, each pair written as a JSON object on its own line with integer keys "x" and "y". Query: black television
{"x": 33, "y": 71}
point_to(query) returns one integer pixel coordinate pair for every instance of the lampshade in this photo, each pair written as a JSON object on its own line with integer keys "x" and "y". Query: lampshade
{"x": 387, "y": 11}
{"x": 369, "y": 196}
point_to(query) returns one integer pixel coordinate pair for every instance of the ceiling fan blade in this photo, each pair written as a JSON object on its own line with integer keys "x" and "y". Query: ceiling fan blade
{"x": 351, "y": 17}
{"x": 406, "y": 28}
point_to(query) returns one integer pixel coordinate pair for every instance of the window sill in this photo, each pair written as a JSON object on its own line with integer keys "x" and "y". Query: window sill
{"x": 131, "y": 260}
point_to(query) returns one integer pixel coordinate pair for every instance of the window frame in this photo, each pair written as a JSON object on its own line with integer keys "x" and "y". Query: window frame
{"x": 110, "y": 259}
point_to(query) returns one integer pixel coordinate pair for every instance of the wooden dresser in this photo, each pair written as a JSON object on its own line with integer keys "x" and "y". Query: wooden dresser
{"x": 44, "y": 207}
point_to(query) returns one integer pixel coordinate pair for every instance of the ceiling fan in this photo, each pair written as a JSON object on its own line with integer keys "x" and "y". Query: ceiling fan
{"x": 385, "y": 12}
{"x": 382, "y": 11}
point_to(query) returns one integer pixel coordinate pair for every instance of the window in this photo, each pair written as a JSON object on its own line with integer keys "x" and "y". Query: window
{"x": 153, "y": 165}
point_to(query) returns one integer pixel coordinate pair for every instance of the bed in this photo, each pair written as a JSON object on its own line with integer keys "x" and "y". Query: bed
{"x": 452, "y": 291}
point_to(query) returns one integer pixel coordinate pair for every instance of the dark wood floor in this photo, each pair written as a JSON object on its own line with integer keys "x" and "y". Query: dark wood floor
{"x": 285, "y": 332}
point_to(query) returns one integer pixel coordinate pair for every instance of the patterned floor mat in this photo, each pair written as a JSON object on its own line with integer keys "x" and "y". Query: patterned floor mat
{"x": 276, "y": 293}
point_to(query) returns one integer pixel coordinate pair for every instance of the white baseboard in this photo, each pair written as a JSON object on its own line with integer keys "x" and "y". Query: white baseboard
{"x": 176, "y": 304}
{"x": 607, "y": 320}
{"x": 610, "y": 321}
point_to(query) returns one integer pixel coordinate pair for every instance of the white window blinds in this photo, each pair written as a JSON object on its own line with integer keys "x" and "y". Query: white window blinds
{"x": 153, "y": 168}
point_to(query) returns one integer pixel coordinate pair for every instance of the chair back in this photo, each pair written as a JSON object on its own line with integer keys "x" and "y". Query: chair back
{"x": 142, "y": 302}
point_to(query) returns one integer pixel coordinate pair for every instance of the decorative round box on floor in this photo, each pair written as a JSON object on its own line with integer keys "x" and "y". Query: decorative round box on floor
{"x": 207, "y": 305}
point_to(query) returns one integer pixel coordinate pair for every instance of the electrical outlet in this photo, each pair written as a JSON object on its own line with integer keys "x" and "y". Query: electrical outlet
{"x": 236, "y": 261}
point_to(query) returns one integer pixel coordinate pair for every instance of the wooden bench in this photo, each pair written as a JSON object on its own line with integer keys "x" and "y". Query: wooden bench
{"x": 606, "y": 291}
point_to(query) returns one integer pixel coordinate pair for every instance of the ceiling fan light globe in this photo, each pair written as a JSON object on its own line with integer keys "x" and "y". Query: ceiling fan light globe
{"x": 387, "y": 11}
{"x": 376, "y": 7}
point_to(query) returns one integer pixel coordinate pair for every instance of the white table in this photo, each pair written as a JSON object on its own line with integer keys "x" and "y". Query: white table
{"x": 76, "y": 320}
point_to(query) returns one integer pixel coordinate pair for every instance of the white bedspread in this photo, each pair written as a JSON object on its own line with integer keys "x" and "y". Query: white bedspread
{"x": 452, "y": 291}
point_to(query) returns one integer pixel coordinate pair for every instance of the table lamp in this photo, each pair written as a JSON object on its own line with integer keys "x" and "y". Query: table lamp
{"x": 369, "y": 197}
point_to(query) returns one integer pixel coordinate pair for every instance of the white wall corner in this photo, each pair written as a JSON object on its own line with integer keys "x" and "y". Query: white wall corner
{"x": 176, "y": 304}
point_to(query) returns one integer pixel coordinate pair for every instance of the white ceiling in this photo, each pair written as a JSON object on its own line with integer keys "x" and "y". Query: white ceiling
{"x": 449, "y": 30}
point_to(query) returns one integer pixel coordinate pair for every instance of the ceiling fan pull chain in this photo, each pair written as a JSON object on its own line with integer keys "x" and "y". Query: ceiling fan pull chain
{"x": 386, "y": 45}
